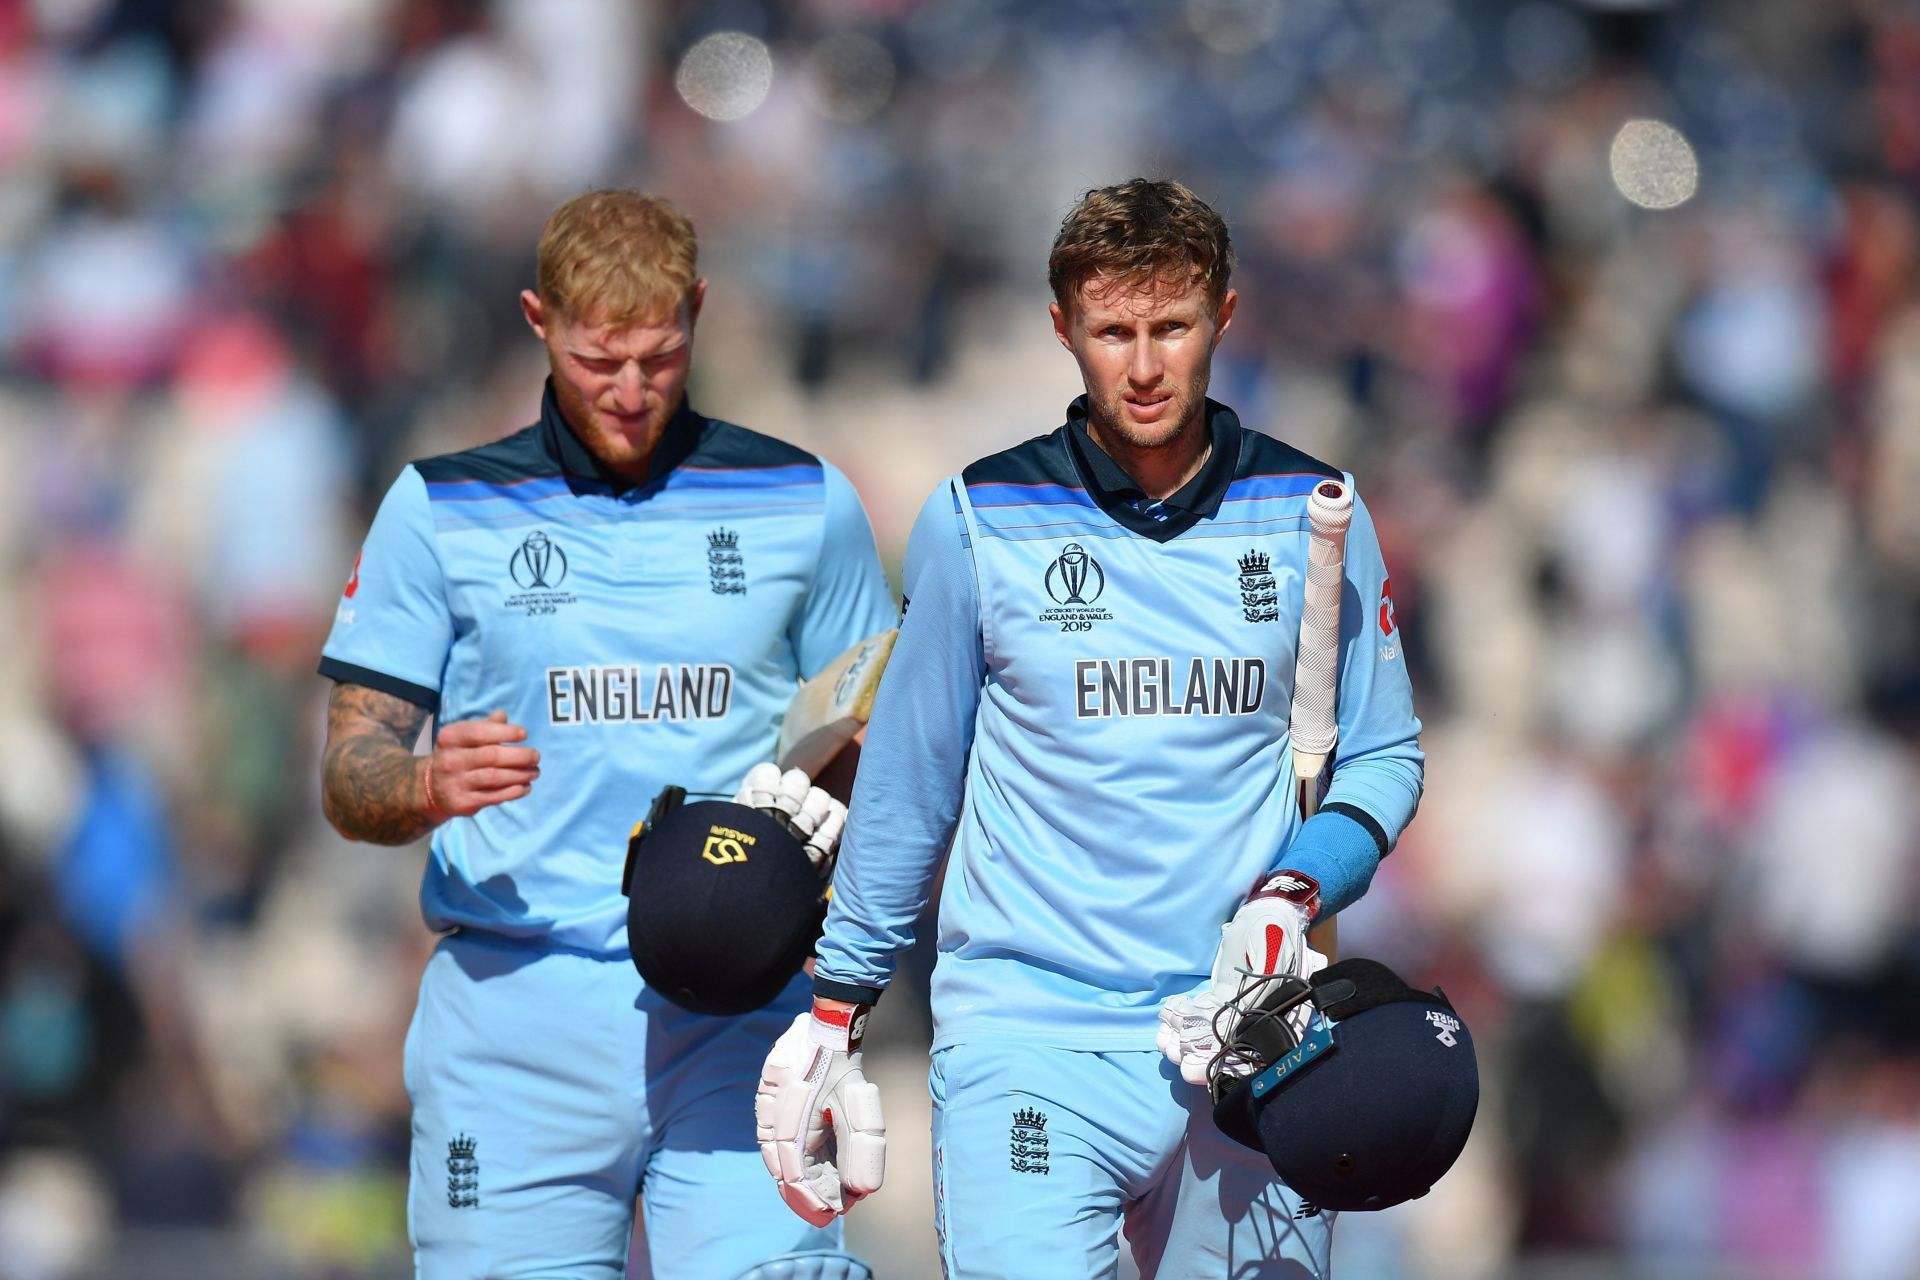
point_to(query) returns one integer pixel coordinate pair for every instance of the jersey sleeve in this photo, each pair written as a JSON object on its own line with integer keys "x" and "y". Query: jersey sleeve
{"x": 1378, "y": 768}
{"x": 907, "y": 795}
{"x": 848, "y": 600}
{"x": 393, "y": 629}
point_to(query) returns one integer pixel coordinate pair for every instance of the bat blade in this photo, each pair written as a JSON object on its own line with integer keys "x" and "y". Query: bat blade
{"x": 833, "y": 706}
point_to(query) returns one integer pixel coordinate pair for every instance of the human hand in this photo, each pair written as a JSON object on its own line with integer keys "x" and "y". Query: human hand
{"x": 474, "y": 764}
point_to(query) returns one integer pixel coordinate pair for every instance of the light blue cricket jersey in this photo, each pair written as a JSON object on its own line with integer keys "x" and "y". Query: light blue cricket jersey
{"x": 1090, "y": 698}
{"x": 642, "y": 634}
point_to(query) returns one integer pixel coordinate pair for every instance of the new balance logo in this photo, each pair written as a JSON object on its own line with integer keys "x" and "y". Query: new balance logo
{"x": 1286, "y": 883}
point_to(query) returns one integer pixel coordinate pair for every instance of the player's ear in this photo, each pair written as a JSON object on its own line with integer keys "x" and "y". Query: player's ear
{"x": 1060, "y": 324}
{"x": 696, "y": 296}
{"x": 531, "y": 308}
{"x": 1225, "y": 316}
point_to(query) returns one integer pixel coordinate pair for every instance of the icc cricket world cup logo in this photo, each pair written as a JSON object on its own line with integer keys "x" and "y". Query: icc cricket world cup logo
{"x": 539, "y": 562}
{"x": 1075, "y": 577}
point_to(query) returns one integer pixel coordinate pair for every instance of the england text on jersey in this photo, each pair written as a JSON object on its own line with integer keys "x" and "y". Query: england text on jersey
{"x": 1167, "y": 687}
{"x": 635, "y": 692}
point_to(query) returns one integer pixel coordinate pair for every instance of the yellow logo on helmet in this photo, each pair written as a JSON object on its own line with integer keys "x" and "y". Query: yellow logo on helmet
{"x": 725, "y": 845}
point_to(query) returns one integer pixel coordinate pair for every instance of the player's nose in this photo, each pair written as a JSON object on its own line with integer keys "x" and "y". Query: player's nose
{"x": 1144, "y": 366}
{"x": 629, "y": 388}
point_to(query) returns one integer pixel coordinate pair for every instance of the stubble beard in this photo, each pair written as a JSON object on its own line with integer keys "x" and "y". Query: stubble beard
{"x": 612, "y": 446}
{"x": 1110, "y": 417}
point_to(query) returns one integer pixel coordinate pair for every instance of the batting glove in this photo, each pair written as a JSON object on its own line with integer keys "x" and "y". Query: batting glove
{"x": 1265, "y": 940}
{"x": 817, "y": 1118}
{"x": 815, "y": 818}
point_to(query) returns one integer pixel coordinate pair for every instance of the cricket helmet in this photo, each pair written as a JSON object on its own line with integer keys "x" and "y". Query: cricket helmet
{"x": 723, "y": 906}
{"x": 1366, "y": 1087}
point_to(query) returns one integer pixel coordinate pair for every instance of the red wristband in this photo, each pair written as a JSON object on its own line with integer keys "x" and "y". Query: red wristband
{"x": 434, "y": 810}
{"x": 841, "y": 1029}
{"x": 1296, "y": 887}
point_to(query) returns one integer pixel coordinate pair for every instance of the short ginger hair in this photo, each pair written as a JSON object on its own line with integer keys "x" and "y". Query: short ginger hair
{"x": 1142, "y": 231}
{"x": 616, "y": 257}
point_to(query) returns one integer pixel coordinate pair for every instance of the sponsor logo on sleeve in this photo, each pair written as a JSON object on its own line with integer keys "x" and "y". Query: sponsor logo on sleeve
{"x": 344, "y": 613}
{"x": 1388, "y": 652}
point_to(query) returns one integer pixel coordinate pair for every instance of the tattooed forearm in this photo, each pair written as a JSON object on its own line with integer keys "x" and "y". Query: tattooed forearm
{"x": 370, "y": 784}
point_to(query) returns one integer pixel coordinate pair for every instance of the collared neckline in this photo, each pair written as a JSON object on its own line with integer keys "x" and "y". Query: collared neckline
{"x": 582, "y": 469}
{"x": 1121, "y": 497}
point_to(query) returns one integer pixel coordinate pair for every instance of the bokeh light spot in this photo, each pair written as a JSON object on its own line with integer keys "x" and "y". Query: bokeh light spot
{"x": 726, "y": 75}
{"x": 1653, "y": 164}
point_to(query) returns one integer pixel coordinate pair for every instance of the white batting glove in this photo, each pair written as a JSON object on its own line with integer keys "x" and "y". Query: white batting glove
{"x": 813, "y": 816}
{"x": 1266, "y": 939}
{"x": 817, "y": 1118}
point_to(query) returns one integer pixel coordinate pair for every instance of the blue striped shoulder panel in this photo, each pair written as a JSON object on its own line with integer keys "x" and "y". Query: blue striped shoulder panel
{"x": 1034, "y": 490}
{"x": 517, "y": 480}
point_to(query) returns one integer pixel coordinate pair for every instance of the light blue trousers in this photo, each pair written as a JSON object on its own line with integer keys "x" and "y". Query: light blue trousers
{"x": 1041, "y": 1156}
{"x": 550, "y": 1088}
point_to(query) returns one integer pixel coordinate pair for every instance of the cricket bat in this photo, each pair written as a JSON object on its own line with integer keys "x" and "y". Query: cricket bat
{"x": 1314, "y": 724}
{"x": 833, "y": 706}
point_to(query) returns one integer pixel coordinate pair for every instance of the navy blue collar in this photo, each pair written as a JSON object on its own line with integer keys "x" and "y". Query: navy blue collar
{"x": 584, "y": 471}
{"x": 1121, "y": 496}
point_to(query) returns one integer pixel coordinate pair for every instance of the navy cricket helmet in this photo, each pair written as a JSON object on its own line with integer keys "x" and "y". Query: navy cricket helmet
{"x": 1367, "y": 1107}
{"x": 723, "y": 906}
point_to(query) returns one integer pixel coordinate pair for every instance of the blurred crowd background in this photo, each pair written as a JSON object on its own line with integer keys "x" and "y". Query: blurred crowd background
{"x": 1636, "y": 408}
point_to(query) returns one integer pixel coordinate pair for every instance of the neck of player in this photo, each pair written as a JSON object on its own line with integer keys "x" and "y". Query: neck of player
{"x": 1163, "y": 469}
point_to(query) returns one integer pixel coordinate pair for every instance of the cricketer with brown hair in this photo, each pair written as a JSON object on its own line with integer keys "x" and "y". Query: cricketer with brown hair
{"x": 1089, "y": 700}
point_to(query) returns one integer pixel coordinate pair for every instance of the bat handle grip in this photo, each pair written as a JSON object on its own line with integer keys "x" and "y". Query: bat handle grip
{"x": 1323, "y": 937}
